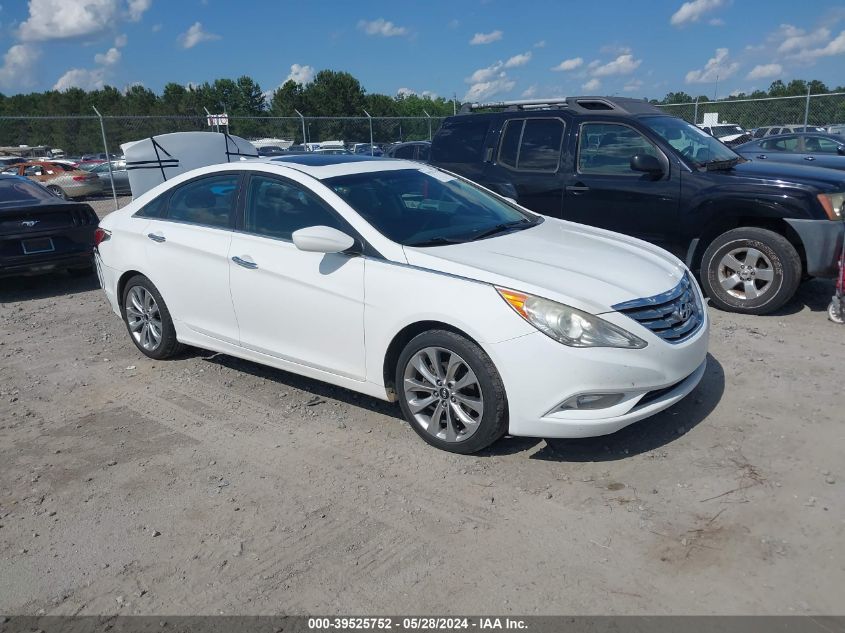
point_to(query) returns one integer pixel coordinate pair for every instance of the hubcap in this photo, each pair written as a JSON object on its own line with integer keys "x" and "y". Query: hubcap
{"x": 746, "y": 273}
{"x": 443, "y": 394}
{"x": 143, "y": 318}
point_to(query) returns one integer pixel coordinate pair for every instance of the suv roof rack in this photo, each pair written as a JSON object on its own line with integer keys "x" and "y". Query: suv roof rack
{"x": 623, "y": 105}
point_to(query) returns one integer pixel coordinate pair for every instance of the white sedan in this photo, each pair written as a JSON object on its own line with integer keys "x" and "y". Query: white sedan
{"x": 408, "y": 283}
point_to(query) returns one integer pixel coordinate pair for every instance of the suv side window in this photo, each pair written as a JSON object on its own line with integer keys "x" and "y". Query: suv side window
{"x": 207, "y": 201}
{"x": 783, "y": 144}
{"x": 607, "y": 148}
{"x": 461, "y": 141}
{"x": 276, "y": 208}
{"x": 531, "y": 144}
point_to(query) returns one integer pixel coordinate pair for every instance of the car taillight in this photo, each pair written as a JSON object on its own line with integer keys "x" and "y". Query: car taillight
{"x": 100, "y": 236}
{"x": 82, "y": 178}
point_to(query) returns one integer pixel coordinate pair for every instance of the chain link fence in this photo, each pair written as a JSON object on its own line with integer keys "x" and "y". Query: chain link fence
{"x": 816, "y": 110}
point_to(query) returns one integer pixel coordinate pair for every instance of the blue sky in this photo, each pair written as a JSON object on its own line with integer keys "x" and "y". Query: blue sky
{"x": 477, "y": 49}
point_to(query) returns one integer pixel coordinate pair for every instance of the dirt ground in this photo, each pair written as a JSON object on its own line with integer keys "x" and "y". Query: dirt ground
{"x": 208, "y": 485}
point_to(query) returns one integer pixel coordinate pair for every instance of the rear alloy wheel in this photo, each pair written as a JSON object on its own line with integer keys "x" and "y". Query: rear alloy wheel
{"x": 148, "y": 319}
{"x": 57, "y": 191}
{"x": 451, "y": 393}
{"x": 750, "y": 270}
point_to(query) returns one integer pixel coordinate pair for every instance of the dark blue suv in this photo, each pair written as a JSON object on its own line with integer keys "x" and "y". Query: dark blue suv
{"x": 752, "y": 230}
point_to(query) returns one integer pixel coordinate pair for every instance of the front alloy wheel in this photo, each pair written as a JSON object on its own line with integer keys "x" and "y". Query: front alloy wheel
{"x": 443, "y": 393}
{"x": 450, "y": 392}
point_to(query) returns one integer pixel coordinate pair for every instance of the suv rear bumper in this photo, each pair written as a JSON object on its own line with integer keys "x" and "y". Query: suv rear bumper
{"x": 822, "y": 240}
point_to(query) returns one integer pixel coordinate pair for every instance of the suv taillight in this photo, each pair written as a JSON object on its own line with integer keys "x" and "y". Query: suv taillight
{"x": 100, "y": 236}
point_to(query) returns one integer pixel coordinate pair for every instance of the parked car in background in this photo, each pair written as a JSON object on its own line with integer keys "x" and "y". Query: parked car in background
{"x": 752, "y": 229}
{"x": 118, "y": 172}
{"x": 836, "y": 129}
{"x": 64, "y": 181}
{"x": 101, "y": 156}
{"x": 411, "y": 150}
{"x": 5, "y": 161}
{"x": 526, "y": 336}
{"x": 40, "y": 232}
{"x": 367, "y": 149}
{"x": 774, "y": 130}
{"x": 729, "y": 133}
{"x": 270, "y": 150}
{"x": 821, "y": 150}
{"x": 332, "y": 150}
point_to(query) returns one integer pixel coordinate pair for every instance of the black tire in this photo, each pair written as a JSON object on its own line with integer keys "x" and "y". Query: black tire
{"x": 493, "y": 422}
{"x": 168, "y": 346}
{"x": 786, "y": 270}
{"x": 57, "y": 191}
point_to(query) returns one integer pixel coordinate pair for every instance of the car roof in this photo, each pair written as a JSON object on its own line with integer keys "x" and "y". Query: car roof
{"x": 322, "y": 166}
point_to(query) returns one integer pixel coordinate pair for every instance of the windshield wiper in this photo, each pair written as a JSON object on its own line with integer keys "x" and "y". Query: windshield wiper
{"x": 719, "y": 165}
{"x": 437, "y": 241}
{"x": 502, "y": 228}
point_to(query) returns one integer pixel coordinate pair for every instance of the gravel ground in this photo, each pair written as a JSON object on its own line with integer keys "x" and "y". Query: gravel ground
{"x": 208, "y": 485}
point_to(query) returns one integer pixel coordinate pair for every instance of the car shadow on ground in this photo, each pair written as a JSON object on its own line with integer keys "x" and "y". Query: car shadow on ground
{"x": 56, "y": 284}
{"x": 814, "y": 294}
{"x": 646, "y": 435}
{"x": 310, "y": 386}
{"x": 641, "y": 437}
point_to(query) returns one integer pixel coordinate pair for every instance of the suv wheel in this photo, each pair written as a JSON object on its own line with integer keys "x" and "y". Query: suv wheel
{"x": 451, "y": 393}
{"x": 750, "y": 270}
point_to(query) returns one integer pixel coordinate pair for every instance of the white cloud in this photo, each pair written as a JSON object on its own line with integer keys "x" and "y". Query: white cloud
{"x": 633, "y": 85}
{"x": 530, "y": 91}
{"x": 716, "y": 22}
{"x": 301, "y": 74}
{"x": 836, "y": 46}
{"x": 486, "y": 38}
{"x": 60, "y": 19}
{"x": 593, "y": 84}
{"x": 569, "y": 64}
{"x": 793, "y": 39}
{"x": 121, "y": 40}
{"x": 157, "y": 27}
{"x": 454, "y": 23}
{"x": 692, "y": 11}
{"x": 719, "y": 66}
{"x": 195, "y": 35}
{"x": 18, "y": 69}
{"x": 109, "y": 58}
{"x": 764, "y": 71}
{"x": 540, "y": 44}
{"x": 485, "y": 74}
{"x": 409, "y": 92}
{"x": 622, "y": 65}
{"x": 484, "y": 89}
{"x": 518, "y": 60}
{"x": 81, "y": 78}
{"x": 137, "y": 8}
{"x": 382, "y": 28}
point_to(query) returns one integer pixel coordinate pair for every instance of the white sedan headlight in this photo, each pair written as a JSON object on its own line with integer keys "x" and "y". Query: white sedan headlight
{"x": 568, "y": 325}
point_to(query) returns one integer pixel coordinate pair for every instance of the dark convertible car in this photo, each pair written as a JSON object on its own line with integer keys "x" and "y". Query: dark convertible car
{"x": 40, "y": 232}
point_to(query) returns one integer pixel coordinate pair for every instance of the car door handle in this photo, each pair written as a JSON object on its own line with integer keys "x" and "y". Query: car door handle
{"x": 245, "y": 261}
{"x": 763, "y": 156}
{"x": 578, "y": 189}
{"x": 157, "y": 237}
{"x": 809, "y": 158}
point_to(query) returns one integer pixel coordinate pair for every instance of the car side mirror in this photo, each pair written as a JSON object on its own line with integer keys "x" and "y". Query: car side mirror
{"x": 322, "y": 239}
{"x": 648, "y": 164}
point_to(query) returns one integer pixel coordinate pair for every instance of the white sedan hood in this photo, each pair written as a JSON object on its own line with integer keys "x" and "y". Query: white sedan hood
{"x": 581, "y": 266}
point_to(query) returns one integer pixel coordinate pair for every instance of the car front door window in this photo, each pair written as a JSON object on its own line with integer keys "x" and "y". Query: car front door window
{"x": 607, "y": 148}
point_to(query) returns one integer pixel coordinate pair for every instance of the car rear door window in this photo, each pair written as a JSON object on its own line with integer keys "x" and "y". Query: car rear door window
{"x": 531, "y": 144}
{"x": 782, "y": 144}
{"x": 821, "y": 145}
{"x": 276, "y": 208}
{"x": 607, "y": 148}
{"x": 207, "y": 201}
